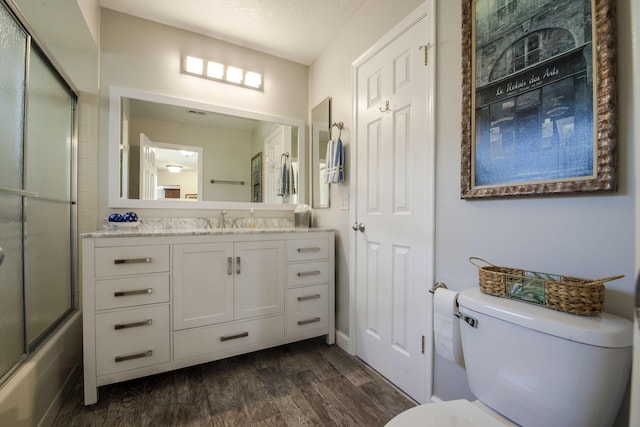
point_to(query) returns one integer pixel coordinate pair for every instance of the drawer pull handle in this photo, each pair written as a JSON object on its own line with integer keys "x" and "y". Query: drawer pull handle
{"x": 229, "y": 266}
{"x": 306, "y": 322}
{"x": 313, "y": 249}
{"x": 133, "y": 261}
{"x": 309, "y": 297}
{"x": 147, "y": 353}
{"x": 136, "y": 292}
{"x": 234, "y": 337}
{"x": 308, "y": 273}
{"x": 118, "y": 326}
{"x": 237, "y": 265}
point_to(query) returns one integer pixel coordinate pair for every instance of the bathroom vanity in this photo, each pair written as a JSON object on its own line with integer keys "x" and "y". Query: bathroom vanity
{"x": 155, "y": 301}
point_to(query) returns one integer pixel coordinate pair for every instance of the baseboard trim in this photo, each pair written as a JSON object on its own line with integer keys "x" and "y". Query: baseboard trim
{"x": 343, "y": 341}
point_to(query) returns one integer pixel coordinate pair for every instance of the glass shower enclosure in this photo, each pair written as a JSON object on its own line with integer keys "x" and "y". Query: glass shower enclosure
{"x": 37, "y": 192}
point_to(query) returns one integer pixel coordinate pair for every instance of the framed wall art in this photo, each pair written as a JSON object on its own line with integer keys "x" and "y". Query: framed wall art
{"x": 539, "y": 97}
{"x": 256, "y": 178}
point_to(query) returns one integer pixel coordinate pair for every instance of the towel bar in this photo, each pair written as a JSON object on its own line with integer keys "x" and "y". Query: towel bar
{"x": 221, "y": 181}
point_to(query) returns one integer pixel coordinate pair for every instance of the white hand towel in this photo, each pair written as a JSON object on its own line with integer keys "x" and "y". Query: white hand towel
{"x": 446, "y": 327}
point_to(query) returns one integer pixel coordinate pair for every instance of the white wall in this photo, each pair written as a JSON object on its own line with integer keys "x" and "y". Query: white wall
{"x": 144, "y": 55}
{"x": 582, "y": 235}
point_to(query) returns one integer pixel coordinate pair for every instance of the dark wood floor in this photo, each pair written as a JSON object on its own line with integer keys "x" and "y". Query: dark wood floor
{"x": 300, "y": 384}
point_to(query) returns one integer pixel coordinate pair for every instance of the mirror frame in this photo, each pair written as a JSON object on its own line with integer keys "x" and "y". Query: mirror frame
{"x": 115, "y": 107}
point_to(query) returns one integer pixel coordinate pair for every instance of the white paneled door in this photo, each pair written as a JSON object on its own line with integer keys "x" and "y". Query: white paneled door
{"x": 148, "y": 171}
{"x": 394, "y": 212}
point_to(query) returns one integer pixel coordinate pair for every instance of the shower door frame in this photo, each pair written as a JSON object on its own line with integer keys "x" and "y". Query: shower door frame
{"x": 34, "y": 46}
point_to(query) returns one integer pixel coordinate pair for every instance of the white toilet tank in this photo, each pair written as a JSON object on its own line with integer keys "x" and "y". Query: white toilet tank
{"x": 540, "y": 367}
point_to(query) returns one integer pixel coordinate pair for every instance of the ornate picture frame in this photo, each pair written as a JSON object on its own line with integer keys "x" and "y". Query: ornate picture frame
{"x": 538, "y": 97}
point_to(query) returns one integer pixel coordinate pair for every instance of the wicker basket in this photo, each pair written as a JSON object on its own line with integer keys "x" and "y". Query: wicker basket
{"x": 564, "y": 293}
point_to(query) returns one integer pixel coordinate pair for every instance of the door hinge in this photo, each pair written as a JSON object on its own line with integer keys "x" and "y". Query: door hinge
{"x": 423, "y": 344}
{"x": 426, "y": 52}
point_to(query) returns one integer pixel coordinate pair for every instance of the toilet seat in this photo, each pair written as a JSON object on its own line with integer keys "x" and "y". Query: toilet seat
{"x": 453, "y": 413}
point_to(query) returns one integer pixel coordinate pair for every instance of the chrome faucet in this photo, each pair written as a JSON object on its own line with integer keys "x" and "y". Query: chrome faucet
{"x": 221, "y": 219}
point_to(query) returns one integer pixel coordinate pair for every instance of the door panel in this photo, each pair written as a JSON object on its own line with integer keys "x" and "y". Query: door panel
{"x": 11, "y": 294}
{"x": 12, "y": 81}
{"x": 48, "y": 173}
{"x": 393, "y": 201}
{"x": 148, "y": 171}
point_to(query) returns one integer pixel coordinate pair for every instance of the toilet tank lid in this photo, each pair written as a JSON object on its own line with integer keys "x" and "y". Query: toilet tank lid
{"x": 603, "y": 330}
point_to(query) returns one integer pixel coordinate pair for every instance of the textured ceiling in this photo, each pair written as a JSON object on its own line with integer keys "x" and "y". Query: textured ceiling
{"x": 298, "y": 30}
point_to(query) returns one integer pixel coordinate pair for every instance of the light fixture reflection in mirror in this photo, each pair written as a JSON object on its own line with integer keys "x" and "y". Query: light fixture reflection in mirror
{"x": 320, "y": 122}
{"x": 174, "y": 168}
{"x": 220, "y": 142}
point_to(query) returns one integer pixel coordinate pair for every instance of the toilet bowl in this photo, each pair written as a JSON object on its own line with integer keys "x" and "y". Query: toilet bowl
{"x": 453, "y": 413}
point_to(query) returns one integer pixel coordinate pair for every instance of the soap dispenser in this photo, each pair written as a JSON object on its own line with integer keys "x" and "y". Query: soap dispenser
{"x": 252, "y": 219}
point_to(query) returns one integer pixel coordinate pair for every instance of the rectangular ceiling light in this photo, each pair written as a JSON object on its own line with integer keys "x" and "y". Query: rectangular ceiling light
{"x": 219, "y": 72}
{"x": 234, "y": 74}
{"x": 253, "y": 79}
{"x": 194, "y": 65}
{"x": 215, "y": 70}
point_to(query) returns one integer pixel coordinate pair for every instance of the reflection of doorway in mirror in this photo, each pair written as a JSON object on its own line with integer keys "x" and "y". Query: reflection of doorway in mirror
{"x": 148, "y": 171}
{"x": 156, "y": 176}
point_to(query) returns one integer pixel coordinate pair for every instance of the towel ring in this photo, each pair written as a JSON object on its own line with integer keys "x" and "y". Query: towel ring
{"x": 284, "y": 155}
{"x": 338, "y": 125}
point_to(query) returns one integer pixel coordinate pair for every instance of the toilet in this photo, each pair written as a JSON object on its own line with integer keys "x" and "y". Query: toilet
{"x": 531, "y": 366}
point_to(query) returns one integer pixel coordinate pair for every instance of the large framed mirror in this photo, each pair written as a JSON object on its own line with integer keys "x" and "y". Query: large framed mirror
{"x": 320, "y": 128}
{"x": 167, "y": 152}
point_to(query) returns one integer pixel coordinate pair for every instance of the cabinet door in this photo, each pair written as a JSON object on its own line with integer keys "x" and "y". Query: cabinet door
{"x": 202, "y": 284}
{"x": 259, "y": 280}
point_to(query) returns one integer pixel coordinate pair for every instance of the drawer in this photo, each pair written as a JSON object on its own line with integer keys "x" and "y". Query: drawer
{"x": 123, "y": 260}
{"x": 131, "y": 291}
{"x": 307, "y": 273}
{"x": 217, "y": 338}
{"x": 130, "y": 324}
{"x": 125, "y": 355}
{"x": 307, "y": 308}
{"x": 307, "y": 249}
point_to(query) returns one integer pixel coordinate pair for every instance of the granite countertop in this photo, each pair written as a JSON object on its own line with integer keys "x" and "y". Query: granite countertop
{"x": 148, "y": 227}
{"x": 197, "y": 232}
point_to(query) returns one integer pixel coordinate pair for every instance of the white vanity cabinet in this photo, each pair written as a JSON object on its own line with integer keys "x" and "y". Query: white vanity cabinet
{"x": 202, "y": 284}
{"x": 155, "y": 302}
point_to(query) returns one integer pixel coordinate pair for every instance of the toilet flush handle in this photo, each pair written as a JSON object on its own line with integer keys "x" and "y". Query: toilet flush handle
{"x": 473, "y": 322}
